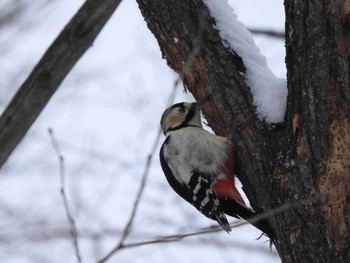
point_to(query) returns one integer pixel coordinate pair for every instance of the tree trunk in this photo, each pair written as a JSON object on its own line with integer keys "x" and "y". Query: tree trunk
{"x": 319, "y": 98}
{"x": 305, "y": 161}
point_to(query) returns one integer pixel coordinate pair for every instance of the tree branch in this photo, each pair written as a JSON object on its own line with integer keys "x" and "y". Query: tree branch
{"x": 50, "y": 71}
{"x": 217, "y": 228}
{"x": 73, "y": 229}
{"x": 267, "y": 32}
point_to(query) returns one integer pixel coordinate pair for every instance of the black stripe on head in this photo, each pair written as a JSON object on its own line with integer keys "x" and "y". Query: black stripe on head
{"x": 189, "y": 116}
{"x": 178, "y": 105}
{"x": 166, "y": 112}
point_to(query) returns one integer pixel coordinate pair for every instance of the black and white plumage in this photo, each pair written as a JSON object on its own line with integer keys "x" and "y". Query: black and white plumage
{"x": 199, "y": 166}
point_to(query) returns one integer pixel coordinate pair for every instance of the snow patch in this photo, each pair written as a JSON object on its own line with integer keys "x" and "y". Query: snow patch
{"x": 269, "y": 92}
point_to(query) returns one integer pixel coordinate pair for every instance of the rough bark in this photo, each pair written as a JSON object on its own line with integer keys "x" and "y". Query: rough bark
{"x": 318, "y": 125}
{"x": 305, "y": 161}
{"x": 37, "y": 89}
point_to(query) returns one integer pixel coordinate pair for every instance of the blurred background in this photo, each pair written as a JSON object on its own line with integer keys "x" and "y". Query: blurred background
{"x": 105, "y": 119}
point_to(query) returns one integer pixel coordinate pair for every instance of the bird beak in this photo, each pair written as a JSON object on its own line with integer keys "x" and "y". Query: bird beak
{"x": 201, "y": 103}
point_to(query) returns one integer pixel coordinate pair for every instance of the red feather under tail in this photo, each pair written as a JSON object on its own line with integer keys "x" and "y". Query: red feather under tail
{"x": 225, "y": 188}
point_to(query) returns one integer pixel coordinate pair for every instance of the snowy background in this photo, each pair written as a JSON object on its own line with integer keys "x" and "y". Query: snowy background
{"x": 105, "y": 118}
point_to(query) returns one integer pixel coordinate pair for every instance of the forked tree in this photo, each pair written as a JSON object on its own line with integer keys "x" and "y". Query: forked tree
{"x": 304, "y": 160}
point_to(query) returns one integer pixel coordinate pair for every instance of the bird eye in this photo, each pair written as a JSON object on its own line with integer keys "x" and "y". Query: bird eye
{"x": 181, "y": 110}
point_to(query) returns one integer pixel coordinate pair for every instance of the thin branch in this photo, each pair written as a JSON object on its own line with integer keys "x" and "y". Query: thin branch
{"x": 267, "y": 32}
{"x": 73, "y": 229}
{"x": 69, "y": 46}
{"x": 217, "y": 228}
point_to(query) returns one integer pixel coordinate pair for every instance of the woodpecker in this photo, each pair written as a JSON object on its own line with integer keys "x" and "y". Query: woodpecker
{"x": 200, "y": 166}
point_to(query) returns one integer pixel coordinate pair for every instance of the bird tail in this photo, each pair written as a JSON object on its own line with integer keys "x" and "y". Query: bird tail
{"x": 238, "y": 210}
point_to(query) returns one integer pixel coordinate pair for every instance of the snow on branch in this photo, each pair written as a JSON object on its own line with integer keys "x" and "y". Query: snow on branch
{"x": 269, "y": 92}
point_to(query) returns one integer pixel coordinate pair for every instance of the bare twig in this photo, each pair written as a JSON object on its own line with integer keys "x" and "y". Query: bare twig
{"x": 267, "y": 32}
{"x": 217, "y": 228}
{"x": 73, "y": 229}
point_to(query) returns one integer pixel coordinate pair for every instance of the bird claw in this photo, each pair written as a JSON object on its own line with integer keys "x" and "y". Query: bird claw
{"x": 270, "y": 241}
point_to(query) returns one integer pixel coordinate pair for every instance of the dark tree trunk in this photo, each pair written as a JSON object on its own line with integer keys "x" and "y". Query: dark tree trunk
{"x": 318, "y": 126}
{"x": 305, "y": 161}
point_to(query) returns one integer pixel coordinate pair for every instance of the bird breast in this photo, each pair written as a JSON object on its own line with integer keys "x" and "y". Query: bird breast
{"x": 198, "y": 150}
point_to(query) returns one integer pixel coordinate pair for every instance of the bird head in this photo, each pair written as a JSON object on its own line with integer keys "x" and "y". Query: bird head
{"x": 182, "y": 115}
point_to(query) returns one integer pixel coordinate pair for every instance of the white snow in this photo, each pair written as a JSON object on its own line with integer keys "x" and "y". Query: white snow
{"x": 269, "y": 92}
